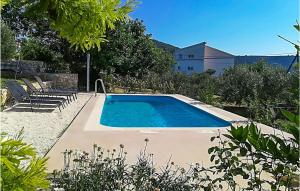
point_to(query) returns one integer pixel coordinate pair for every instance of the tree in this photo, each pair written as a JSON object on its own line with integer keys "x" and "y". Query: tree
{"x": 163, "y": 60}
{"x": 33, "y": 49}
{"x": 83, "y": 23}
{"x": 296, "y": 44}
{"x": 3, "y": 3}
{"x": 295, "y": 74}
{"x": 8, "y": 44}
{"x": 129, "y": 51}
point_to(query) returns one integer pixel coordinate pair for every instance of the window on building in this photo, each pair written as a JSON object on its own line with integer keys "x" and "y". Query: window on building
{"x": 191, "y": 56}
{"x": 190, "y": 68}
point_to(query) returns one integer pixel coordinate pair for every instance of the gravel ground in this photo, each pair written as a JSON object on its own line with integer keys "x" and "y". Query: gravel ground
{"x": 43, "y": 127}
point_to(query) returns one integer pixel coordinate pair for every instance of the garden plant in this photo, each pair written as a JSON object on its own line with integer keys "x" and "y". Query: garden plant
{"x": 21, "y": 168}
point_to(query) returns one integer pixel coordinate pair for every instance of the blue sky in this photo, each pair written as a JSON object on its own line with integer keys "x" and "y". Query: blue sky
{"x": 240, "y": 27}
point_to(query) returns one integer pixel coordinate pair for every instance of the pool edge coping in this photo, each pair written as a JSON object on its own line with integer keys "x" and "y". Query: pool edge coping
{"x": 93, "y": 121}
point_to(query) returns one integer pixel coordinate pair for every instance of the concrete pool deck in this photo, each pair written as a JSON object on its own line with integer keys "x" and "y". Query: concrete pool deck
{"x": 183, "y": 145}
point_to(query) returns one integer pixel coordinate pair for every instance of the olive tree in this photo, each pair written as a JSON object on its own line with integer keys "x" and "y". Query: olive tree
{"x": 245, "y": 83}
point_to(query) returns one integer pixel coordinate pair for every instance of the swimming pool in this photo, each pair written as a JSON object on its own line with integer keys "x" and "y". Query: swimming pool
{"x": 154, "y": 111}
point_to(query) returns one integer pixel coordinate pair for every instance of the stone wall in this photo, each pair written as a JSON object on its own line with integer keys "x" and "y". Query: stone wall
{"x": 6, "y": 97}
{"x": 23, "y": 66}
{"x": 61, "y": 80}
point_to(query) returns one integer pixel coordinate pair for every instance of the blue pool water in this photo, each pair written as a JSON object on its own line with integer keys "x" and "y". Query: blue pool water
{"x": 154, "y": 111}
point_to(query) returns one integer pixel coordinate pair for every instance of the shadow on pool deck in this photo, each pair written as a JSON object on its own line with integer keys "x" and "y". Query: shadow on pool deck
{"x": 23, "y": 107}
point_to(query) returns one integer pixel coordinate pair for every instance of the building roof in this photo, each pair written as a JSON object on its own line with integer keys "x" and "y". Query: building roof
{"x": 284, "y": 61}
{"x": 210, "y": 53}
{"x": 205, "y": 51}
{"x": 201, "y": 43}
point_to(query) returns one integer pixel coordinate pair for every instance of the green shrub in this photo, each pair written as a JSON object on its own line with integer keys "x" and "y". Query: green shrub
{"x": 260, "y": 87}
{"x": 21, "y": 169}
{"x": 244, "y": 83}
{"x": 108, "y": 170}
{"x": 251, "y": 154}
{"x": 210, "y": 71}
{"x": 198, "y": 86}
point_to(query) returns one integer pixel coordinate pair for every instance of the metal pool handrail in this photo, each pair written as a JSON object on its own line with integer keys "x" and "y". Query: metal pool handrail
{"x": 102, "y": 84}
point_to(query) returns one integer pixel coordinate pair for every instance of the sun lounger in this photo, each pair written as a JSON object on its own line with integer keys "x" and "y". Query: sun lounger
{"x": 22, "y": 91}
{"x": 21, "y": 96}
{"x": 35, "y": 91}
{"x": 46, "y": 89}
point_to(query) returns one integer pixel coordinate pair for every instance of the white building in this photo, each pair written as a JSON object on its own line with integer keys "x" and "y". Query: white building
{"x": 200, "y": 57}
